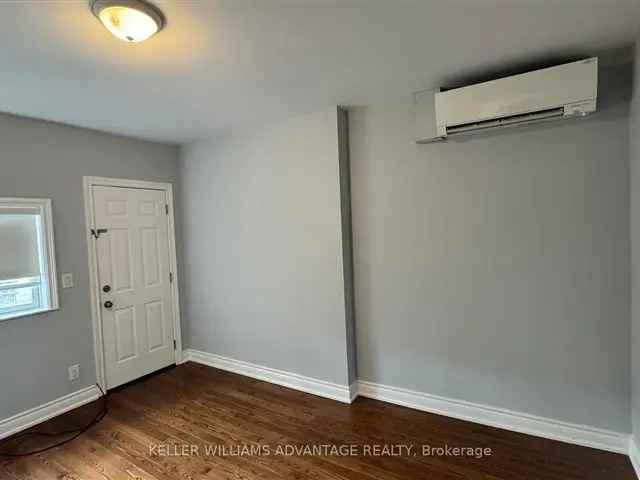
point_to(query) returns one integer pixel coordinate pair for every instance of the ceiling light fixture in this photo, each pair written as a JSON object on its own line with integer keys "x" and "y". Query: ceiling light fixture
{"x": 129, "y": 20}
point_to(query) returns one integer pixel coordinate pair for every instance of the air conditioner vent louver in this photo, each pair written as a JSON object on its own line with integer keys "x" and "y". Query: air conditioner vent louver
{"x": 510, "y": 121}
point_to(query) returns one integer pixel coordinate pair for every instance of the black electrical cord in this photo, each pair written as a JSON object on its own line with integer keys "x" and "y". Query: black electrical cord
{"x": 76, "y": 432}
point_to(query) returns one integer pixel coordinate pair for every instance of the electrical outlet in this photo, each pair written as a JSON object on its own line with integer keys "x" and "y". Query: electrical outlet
{"x": 67, "y": 280}
{"x": 74, "y": 372}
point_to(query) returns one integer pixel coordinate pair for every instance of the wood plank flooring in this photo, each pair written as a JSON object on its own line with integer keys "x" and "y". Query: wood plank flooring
{"x": 166, "y": 427}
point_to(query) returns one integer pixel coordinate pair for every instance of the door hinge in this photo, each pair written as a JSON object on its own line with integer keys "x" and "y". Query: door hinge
{"x": 166, "y": 208}
{"x": 175, "y": 345}
{"x": 96, "y": 232}
{"x": 170, "y": 277}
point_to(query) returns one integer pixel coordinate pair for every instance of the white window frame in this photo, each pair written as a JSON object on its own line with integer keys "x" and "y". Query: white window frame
{"x": 46, "y": 252}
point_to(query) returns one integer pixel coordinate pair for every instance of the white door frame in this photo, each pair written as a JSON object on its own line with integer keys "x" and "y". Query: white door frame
{"x": 94, "y": 284}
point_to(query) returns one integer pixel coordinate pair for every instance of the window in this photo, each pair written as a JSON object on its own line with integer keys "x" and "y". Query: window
{"x": 27, "y": 259}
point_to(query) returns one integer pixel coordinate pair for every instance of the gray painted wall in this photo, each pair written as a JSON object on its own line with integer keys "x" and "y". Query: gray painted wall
{"x": 496, "y": 269}
{"x": 262, "y": 247}
{"x": 41, "y": 159}
{"x": 634, "y": 155}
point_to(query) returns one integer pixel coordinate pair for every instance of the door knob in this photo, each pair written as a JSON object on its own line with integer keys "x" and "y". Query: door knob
{"x": 106, "y": 289}
{"x": 108, "y": 304}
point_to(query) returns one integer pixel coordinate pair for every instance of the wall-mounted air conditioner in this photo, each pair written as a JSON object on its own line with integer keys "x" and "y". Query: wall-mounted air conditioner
{"x": 548, "y": 94}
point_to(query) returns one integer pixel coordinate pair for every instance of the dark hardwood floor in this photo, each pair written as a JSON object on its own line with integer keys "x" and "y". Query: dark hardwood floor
{"x": 166, "y": 426}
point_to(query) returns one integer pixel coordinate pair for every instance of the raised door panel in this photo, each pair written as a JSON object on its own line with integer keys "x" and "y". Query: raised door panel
{"x": 126, "y": 342}
{"x": 151, "y": 268}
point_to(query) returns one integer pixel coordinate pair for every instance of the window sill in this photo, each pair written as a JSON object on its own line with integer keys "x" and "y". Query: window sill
{"x": 25, "y": 313}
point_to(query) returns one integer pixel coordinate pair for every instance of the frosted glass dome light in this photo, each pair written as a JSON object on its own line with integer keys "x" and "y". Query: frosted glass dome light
{"x": 129, "y": 20}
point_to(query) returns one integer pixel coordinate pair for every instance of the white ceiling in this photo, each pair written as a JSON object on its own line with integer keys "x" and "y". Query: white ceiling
{"x": 221, "y": 64}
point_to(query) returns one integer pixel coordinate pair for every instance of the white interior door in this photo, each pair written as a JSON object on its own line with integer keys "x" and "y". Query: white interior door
{"x": 133, "y": 271}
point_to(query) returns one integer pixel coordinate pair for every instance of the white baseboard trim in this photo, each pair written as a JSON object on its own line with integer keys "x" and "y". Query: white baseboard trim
{"x": 483, "y": 414}
{"x": 472, "y": 412}
{"x": 634, "y": 456}
{"x": 499, "y": 417}
{"x": 36, "y": 415}
{"x": 314, "y": 386}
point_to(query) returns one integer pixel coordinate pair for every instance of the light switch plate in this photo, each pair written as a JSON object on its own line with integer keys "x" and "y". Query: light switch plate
{"x": 67, "y": 280}
{"x": 74, "y": 372}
